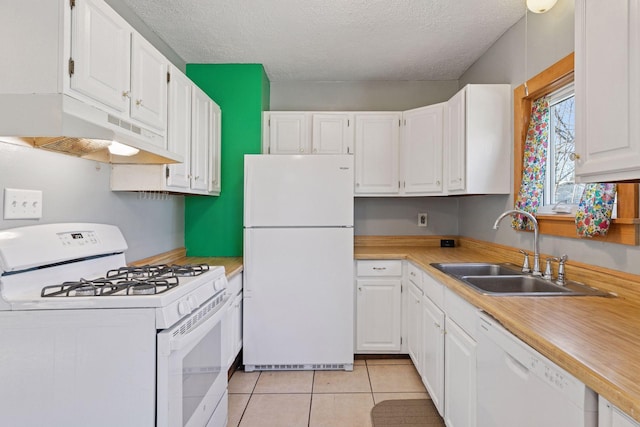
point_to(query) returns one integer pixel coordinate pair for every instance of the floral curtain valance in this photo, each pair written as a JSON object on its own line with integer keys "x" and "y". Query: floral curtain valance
{"x": 593, "y": 217}
{"x": 534, "y": 163}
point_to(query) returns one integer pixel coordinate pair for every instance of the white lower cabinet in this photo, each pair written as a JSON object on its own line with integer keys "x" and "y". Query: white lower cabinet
{"x": 611, "y": 416}
{"x": 414, "y": 323}
{"x": 460, "y": 362}
{"x": 233, "y": 319}
{"x": 432, "y": 371}
{"x": 378, "y": 306}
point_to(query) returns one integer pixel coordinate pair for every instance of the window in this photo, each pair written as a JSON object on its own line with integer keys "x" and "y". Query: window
{"x": 556, "y": 82}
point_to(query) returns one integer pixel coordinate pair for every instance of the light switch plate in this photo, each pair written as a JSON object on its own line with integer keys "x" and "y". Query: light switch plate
{"x": 422, "y": 220}
{"x": 22, "y": 204}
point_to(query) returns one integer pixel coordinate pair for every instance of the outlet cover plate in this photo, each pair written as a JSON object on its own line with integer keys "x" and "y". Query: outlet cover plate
{"x": 422, "y": 220}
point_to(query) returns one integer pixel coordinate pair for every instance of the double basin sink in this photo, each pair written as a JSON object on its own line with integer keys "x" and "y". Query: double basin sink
{"x": 508, "y": 280}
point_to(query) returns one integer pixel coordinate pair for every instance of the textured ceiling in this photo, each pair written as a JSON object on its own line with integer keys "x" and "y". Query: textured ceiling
{"x": 333, "y": 40}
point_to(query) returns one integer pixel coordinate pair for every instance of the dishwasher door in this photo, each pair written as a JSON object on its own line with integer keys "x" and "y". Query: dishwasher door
{"x": 517, "y": 386}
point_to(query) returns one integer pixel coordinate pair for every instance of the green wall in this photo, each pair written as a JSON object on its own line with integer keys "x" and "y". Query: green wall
{"x": 213, "y": 225}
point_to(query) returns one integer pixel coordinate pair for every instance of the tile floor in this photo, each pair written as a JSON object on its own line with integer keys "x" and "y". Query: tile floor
{"x": 320, "y": 398}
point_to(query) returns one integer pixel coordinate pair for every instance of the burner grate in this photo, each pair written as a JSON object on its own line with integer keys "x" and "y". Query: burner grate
{"x": 143, "y": 280}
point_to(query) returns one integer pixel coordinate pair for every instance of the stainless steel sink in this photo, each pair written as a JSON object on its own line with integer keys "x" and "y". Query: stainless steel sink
{"x": 477, "y": 269}
{"x": 506, "y": 280}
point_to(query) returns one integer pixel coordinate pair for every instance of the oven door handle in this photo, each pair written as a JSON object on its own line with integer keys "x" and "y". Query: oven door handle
{"x": 194, "y": 336}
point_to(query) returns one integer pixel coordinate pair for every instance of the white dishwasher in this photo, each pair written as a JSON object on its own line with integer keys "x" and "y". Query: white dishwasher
{"x": 517, "y": 386}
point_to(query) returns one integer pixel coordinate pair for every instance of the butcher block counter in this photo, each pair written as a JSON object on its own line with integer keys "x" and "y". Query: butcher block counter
{"x": 597, "y": 339}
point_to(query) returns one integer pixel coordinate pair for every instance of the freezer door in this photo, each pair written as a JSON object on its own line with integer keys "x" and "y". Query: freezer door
{"x": 290, "y": 191}
{"x": 298, "y": 296}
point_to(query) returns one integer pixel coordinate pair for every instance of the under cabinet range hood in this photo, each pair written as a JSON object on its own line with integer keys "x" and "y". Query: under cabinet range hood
{"x": 61, "y": 123}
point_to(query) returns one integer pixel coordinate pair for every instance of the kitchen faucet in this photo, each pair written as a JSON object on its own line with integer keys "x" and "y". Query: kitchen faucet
{"x": 536, "y": 245}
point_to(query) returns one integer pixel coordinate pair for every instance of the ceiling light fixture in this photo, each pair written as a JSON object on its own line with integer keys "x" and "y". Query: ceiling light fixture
{"x": 540, "y": 6}
{"x": 122, "y": 150}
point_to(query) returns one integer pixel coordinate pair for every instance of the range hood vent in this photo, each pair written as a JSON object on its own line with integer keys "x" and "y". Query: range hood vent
{"x": 63, "y": 124}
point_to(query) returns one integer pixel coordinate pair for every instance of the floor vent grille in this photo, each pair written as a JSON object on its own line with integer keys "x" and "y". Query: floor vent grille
{"x": 301, "y": 367}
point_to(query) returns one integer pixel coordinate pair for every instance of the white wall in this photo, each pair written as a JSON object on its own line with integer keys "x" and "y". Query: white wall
{"x": 77, "y": 190}
{"x": 378, "y": 216}
{"x": 550, "y": 39}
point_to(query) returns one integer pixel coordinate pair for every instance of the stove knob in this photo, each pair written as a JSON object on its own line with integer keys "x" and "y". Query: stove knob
{"x": 183, "y": 308}
{"x": 218, "y": 285}
{"x": 193, "y": 302}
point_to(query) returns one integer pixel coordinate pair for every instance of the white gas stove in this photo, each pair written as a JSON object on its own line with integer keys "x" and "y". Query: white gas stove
{"x": 76, "y": 322}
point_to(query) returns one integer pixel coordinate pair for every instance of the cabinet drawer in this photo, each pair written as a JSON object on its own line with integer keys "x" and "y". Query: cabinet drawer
{"x": 415, "y": 275}
{"x": 463, "y": 313}
{"x": 433, "y": 289}
{"x": 379, "y": 268}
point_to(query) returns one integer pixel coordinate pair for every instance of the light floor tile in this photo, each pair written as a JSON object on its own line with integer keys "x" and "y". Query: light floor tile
{"x": 395, "y": 378}
{"x": 359, "y": 362}
{"x": 340, "y": 410}
{"x": 374, "y": 362}
{"x": 356, "y": 381}
{"x": 379, "y": 397}
{"x": 277, "y": 410}
{"x": 243, "y": 382}
{"x": 237, "y": 405}
{"x": 284, "y": 382}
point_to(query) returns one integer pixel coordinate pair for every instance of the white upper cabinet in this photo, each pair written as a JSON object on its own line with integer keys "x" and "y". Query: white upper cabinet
{"x": 179, "y": 130}
{"x": 291, "y": 132}
{"x": 201, "y": 136}
{"x": 148, "y": 84}
{"x": 287, "y": 133}
{"x": 101, "y": 49}
{"x": 607, "y": 91}
{"x": 115, "y": 66}
{"x": 332, "y": 133}
{"x": 194, "y": 132}
{"x": 377, "y": 141}
{"x": 421, "y": 148}
{"x": 477, "y": 155}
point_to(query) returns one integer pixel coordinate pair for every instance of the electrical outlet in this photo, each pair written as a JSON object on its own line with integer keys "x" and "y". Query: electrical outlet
{"x": 422, "y": 220}
{"x": 22, "y": 204}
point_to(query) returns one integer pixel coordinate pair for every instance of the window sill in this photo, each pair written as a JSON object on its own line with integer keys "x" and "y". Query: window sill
{"x": 623, "y": 231}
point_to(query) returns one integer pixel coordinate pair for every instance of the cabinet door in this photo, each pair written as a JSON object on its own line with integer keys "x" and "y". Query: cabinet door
{"x": 288, "y": 133}
{"x": 460, "y": 377}
{"x": 607, "y": 91}
{"x": 201, "y": 121}
{"x": 455, "y": 142}
{"x": 332, "y": 134}
{"x": 377, "y": 139}
{"x": 215, "y": 148}
{"x": 378, "y": 319}
{"x": 422, "y": 150}
{"x": 148, "y": 84}
{"x": 179, "y": 129}
{"x": 237, "y": 325}
{"x": 414, "y": 325}
{"x": 433, "y": 352}
{"x": 101, "y": 46}
{"x": 611, "y": 416}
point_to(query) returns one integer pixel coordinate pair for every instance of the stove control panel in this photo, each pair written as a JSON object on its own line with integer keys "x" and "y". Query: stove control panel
{"x": 78, "y": 238}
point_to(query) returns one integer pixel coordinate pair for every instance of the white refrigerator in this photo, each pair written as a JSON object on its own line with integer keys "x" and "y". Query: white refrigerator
{"x": 298, "y": 262}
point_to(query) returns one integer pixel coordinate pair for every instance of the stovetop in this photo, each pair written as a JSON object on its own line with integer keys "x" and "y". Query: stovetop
{"x": 127, "y": 281}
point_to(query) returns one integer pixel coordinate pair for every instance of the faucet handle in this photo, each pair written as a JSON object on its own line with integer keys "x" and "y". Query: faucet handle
{"x": 525, "y": 262}
{"x": 560, "y": 279}
{"x": 548, "y": 272}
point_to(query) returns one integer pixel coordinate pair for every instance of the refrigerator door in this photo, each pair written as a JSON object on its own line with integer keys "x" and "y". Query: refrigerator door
{"x": 298, "y": 298}
{"x": 298, "y": 191}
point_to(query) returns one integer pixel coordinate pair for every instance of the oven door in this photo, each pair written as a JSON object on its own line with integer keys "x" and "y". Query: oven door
{"x": 192, "y": 374}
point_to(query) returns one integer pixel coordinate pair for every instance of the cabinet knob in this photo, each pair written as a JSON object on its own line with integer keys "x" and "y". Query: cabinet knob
{"x": 302, "y": 150}
{"x": 139, "y": 102}
{"x": 574, "y": 156}
{"x": 126, "y": 94}
{"x": 357, "y": 184}
{"x": 438, "y": 182}
{"x": 315, "y": 150}
{"x": 197, "y": 178}
{"x": 360, "y": 288}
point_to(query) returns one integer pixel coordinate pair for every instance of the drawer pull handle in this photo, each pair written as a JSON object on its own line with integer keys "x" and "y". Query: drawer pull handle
{"x": 379, "y": 268}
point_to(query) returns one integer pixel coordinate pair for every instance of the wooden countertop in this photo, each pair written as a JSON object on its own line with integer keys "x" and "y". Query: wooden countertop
{"x": 594, "y": 338}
